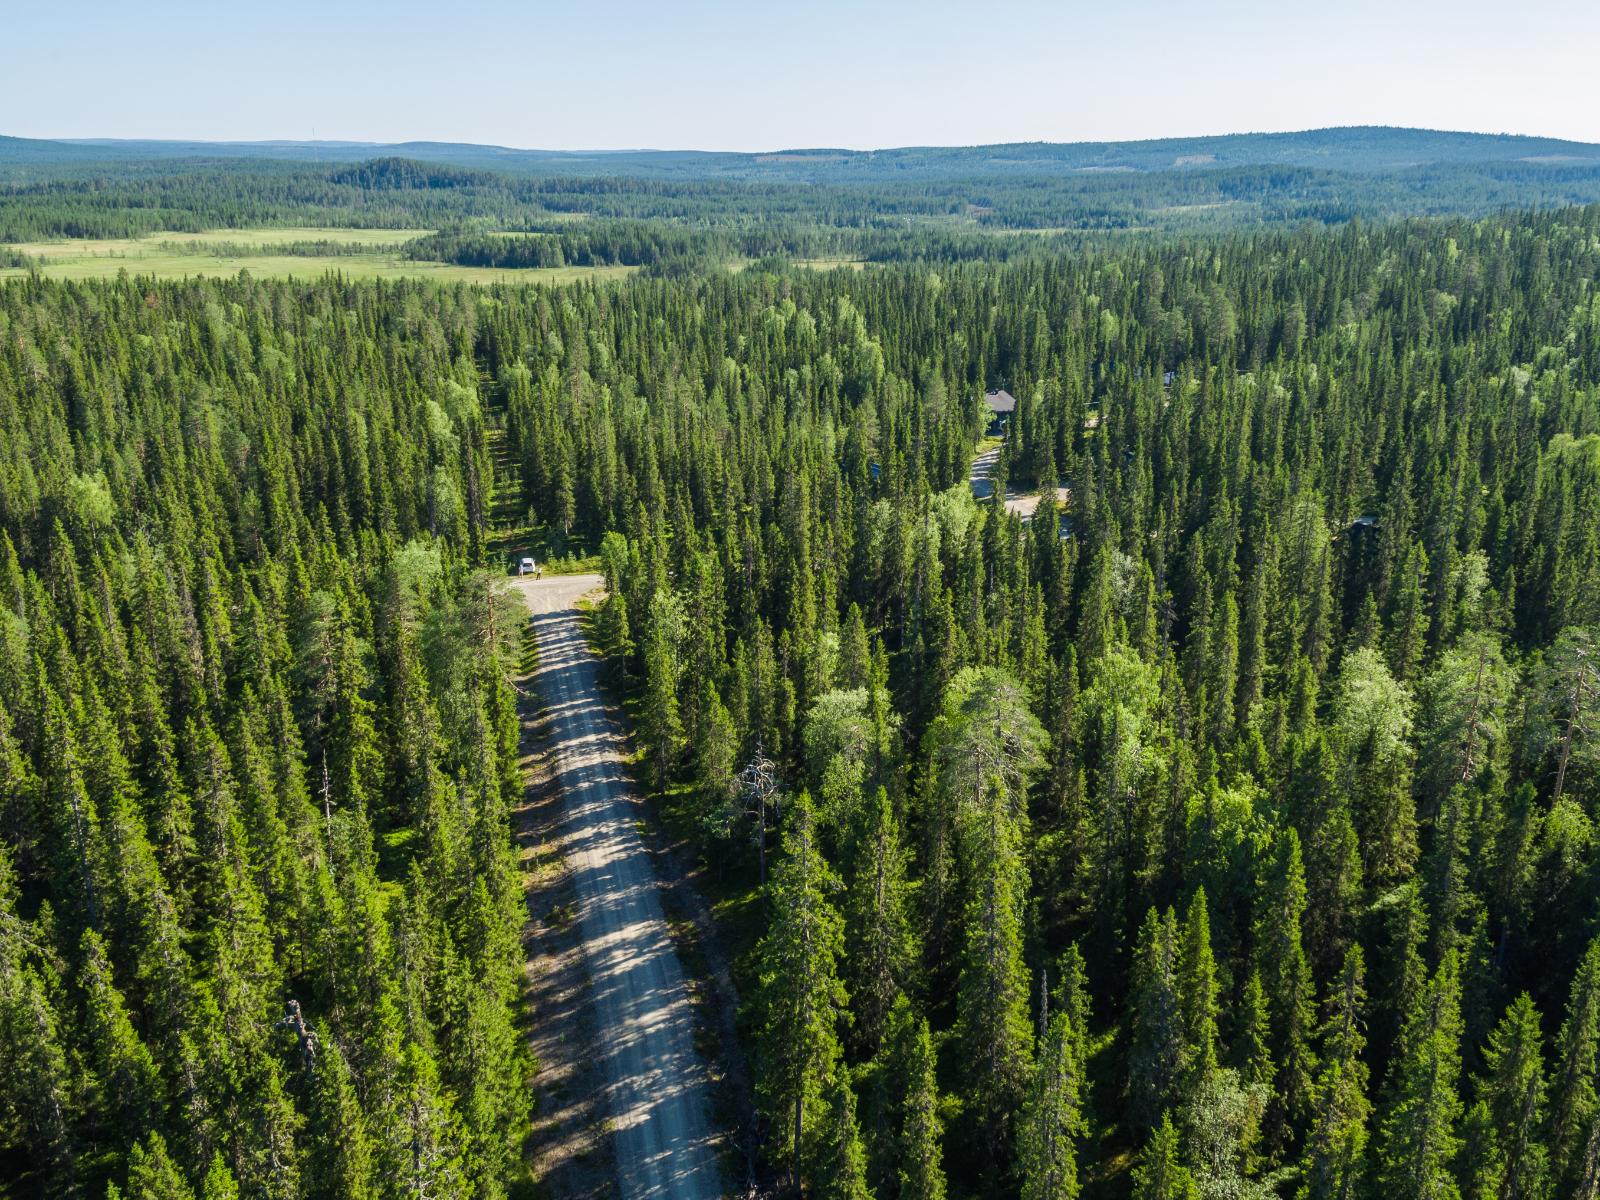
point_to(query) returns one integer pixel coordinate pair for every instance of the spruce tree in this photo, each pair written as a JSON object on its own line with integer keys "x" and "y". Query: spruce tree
{"x": 1286, "y": 980}
{"x": 1336, "y": 1147}
{"x": 877, "y": 927}
{"x": 1156, "y": 1049}
{"x": 1047, "y": 1157}
{"x": 152, "y": 1174}
{"x": 124, "y": 1066}
{"x": 1418, "y": 1137}
{"x": 1512, "y": 1090}
{"x": 838, "y": 1163}
{"x": 800, "y": 998}
{"x": 1252, "y": 1047}
{"x": 340, "y": 1165}
{"x": 921, "y": 1169}
{"x": 1574, "y": 1106}
{"x": 1196, "y": 981}
{"x": 1161, "y": 1174}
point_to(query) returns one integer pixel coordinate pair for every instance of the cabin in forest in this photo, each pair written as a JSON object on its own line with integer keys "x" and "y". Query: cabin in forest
{"x": 1001, "y": 404}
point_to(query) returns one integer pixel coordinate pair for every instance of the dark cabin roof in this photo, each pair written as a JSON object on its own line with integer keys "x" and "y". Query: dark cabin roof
{"x": 1000, "y": 401}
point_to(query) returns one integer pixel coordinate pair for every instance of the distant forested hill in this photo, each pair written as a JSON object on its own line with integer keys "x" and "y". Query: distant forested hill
{"x": 702, "y": 209}
{"x": 1354, "y": 148}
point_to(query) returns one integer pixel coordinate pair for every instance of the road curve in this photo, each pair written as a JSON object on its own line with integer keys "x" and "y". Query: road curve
{"x": 981, "y": 478}
{"x": 656, "y": 1082}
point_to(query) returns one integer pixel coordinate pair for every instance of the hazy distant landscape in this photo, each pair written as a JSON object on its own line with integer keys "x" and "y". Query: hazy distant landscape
{"x": 677, "y": 210}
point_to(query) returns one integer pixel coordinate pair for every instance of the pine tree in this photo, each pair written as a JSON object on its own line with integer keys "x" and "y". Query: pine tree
{"x": 716, "y": 753}
{"x": 987, "y": 745}
{"x": 660, "y": 727}
{"x": 424, "y": 1157}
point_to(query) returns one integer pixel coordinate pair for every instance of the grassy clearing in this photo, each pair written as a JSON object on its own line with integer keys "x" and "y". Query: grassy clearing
{"x": 556, "y": 555}
{"x": 180, "y": 256}
{"x": 830, "y": 264}
{"x": 72, "y": 249}
{"x": 288, "y": 236}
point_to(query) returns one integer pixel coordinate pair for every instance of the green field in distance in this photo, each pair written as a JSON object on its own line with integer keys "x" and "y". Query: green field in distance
{"x": 259, "y": 251}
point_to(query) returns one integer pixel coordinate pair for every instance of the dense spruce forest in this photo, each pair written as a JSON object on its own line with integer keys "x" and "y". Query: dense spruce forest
{"x": 259, "y": 915}
{"x": 1228, "y": 831}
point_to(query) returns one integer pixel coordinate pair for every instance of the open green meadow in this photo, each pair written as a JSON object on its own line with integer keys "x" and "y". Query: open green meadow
{"x": 226, "y": 252}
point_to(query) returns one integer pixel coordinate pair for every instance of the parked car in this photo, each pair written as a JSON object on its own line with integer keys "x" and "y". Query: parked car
{"x": 528, "y": 567}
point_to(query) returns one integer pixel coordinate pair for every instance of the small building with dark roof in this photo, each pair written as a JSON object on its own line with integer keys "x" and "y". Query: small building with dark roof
{"x": 1001, "y": 404}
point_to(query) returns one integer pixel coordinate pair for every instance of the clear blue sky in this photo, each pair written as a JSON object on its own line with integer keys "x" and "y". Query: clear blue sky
{"x": 713, "y": 74}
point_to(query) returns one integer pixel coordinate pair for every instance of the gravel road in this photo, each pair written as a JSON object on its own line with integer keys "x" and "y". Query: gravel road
{"x": 981, "y": 477}
{"x": 656, "y": 1081}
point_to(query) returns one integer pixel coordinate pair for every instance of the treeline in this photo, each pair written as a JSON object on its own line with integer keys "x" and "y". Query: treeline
{"x": 299, "y": 248}
{"x": 1228, "y": 834}
{"x": 678, "y": 249}
{"x": 137, "y": 198}
{"x": 259, "y": 912}
{"x": 586, "y": 244}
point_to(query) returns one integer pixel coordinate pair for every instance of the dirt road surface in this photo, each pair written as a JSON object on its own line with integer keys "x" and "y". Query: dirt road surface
{"x": 982, "y": 480}
{"x": 644, "y": 1027}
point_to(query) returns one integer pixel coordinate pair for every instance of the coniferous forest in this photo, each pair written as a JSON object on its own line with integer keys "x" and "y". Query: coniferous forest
{"x": 1225, "y": 830}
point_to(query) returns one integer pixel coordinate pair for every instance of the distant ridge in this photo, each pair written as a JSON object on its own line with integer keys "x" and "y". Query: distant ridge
{"x": 1353, "y": 148}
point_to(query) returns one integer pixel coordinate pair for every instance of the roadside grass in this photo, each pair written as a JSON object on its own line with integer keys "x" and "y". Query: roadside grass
{"x": 555, "y": 555}
{"x": 571, "y": 564}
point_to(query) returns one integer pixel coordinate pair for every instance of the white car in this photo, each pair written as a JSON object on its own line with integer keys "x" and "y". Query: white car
{"x": 528, "y": 567}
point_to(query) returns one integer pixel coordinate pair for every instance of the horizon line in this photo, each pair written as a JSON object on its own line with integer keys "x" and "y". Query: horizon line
{"x": 332, "y": 143}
